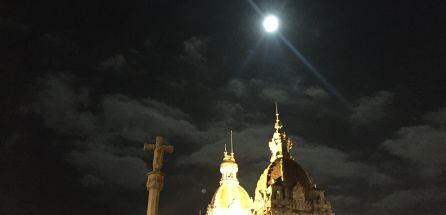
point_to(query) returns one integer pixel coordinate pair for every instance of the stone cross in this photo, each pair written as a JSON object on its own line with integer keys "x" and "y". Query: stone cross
{"x": 158, "y": 152}
{"x": 155, "y": 178}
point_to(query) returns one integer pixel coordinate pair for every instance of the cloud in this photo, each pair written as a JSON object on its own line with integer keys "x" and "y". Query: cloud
{"x": 422, "y": 144}
{"x": 193, "y": 51}
{"x": 275, "y": 94}
{"x": 57, "y": 42}
{"x": 316, "y": 92}
{"x": 438, "y": 117}
{"x": 291, "y": 92}
{"x": 105, "y": 168}
{"x": 371, "y": 109}
{"x": 346, "y": 204}
{"x": 115, "y": 63}
{"x": 228, "y": 113}
{"x": 422, "y": 191}
{"x": 411, "y": 202}
{"x": 329, "y": 164}
{"x": 135, "y": 119}
{"x": 248, "y": 144}
{"x": 62, "y": 107}
{"x": 271, "y": 91}
{"x": 105, "y": 145}
{"x": 236, "y": 87}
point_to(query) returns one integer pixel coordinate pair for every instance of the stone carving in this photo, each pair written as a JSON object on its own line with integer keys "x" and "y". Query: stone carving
{"x": 155, "y": 179}
{"x": 158, "y": 152}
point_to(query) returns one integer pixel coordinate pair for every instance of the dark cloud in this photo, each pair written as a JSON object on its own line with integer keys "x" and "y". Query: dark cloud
{"x": 135, "y": 119}
{"x": 63, "y": 108}
{"x": 290, "y": 91}
{"x": 236, "y": 88}
{"x": 274, "y": 94}
{"x": 104, "y": 151}
{"x": 422, "y": 147}
{"x": 329, "y": 164}
{"x": 194, "y": 49}
{"x": 371, "y": 109}
{"x": 245, "y": 140}
{"x": 102, "y": 168}
{"x": 412, "y": 202}
{"x": 58, "y": 42}
{"x": 438, "y": 117}
{"x": 268, "y": 89}
{"x": 114, "y": 63}
{"x": 423, "y": 144}
{"x": 316, "y": 92}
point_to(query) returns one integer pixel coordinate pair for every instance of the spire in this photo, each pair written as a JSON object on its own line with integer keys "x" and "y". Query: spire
{"x": 277, "y": 125}
{"x": 232, "y": 147}
{"x": 228, "y": 167}
{"x": 280, "y": 144}
{"x": 229, "y": 156}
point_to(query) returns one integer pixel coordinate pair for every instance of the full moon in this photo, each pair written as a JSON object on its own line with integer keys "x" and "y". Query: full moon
{"x": 270, "y": 23}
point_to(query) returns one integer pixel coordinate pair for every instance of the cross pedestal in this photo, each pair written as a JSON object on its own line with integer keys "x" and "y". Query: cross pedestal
{"x": 155, "y": 182}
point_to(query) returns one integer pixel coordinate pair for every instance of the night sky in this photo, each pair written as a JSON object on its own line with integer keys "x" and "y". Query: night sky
{"x": 84, "y": 83}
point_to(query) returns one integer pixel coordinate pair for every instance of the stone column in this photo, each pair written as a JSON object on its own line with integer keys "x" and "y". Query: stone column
{"x": 155, "y": 181}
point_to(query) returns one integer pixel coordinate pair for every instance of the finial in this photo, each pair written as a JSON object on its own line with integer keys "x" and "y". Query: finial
{"x": 277, "y": 125}
{"x": 232, "y": 147}
{"x": 229, "y": 156}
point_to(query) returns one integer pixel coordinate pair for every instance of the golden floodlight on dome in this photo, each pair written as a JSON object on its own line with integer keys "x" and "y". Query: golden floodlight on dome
{"x": 230, "y": 198}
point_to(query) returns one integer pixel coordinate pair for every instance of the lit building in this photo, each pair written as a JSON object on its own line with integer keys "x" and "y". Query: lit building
{"x": 230, "y": 198}
{"x": 285, "y": 188}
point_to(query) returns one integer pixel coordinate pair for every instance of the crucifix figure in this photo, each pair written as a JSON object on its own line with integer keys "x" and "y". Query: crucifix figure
{"x": 158, "y": 152}
{"x": 155, "y": 179}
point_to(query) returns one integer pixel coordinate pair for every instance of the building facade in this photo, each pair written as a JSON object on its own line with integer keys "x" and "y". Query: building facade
{"x": 284, "y": 187}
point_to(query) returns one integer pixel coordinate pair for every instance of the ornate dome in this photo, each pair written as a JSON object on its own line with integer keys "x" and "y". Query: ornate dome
{"x": 288, "y": 173}
{"x": 283, "y": 170}
{"x": 284, "y": 186}
{"x": 230, "y": 198}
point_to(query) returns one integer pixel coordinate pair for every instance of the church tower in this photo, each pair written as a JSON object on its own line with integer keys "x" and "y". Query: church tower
{"x": 230, "y": 198}
{"x": 285, "y": 188}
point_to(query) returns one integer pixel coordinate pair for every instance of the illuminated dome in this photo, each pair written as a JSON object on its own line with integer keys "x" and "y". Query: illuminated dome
{"x": 230, "y": 198}
{"x": 284, "y": 186}
{"x": 283, "y": 169}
